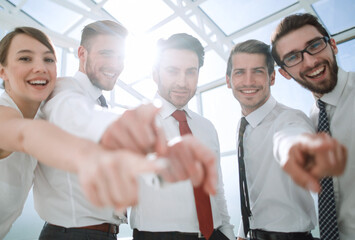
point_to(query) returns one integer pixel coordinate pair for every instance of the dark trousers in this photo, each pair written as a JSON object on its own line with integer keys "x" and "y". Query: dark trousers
{"x": 51, "y": 232}
{"x": 142, "y": 235}
{"x": 265, "y": 235}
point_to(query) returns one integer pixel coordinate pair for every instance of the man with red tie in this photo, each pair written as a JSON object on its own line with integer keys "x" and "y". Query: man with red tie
{"x": 181, "y": 211}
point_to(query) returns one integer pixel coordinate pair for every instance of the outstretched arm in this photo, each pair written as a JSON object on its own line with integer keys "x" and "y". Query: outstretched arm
{"x": 187, "y": 158}
{"x": 101, "y": 172}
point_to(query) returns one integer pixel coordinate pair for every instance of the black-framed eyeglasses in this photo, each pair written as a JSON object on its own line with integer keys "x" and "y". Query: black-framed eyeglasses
{"x": 313, "y": 48}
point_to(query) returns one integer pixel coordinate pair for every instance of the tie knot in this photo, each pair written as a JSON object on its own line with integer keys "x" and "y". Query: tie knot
{"x": 102, "y": 101}
{"x": 243, "y": 124}
{"x": 321, "y": 104}
{"x": 179, "y": 115}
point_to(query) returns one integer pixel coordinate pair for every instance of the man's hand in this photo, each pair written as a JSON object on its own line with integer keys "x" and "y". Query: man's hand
{"x": 314, "y": 157}
{"x": 110, "y": 177}
{"x": 136, "y": 130}
{"x": 187, "y": 158}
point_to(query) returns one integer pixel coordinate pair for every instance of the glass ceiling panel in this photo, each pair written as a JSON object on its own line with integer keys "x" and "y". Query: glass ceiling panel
{"x": 79, "y": 4}
{"x": 213, "y": 69}
{"x": 263, "y": 33}
{"x": 234, "y": 15}
{"x": 337, "y": 15}
{"x": 76, "y": 32}
{"x": 137, "y": 15}
{"x": 54, "y": 17}
{"x": 175, "y": 26}
{"x": 346, "y": 55}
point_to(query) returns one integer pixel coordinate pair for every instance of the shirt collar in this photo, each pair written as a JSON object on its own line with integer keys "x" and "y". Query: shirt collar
{"x": 255, "y": 117}
{"x": 168, "y": 108}
{"x": 333, "y": 97}
{"x": 86, "y": 84}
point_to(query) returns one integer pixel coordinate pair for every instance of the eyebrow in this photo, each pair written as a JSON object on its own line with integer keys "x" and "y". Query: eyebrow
{"x": 255, "y": 68}
{"x": 306, "y": 45}
{"x": 30, "y": 51}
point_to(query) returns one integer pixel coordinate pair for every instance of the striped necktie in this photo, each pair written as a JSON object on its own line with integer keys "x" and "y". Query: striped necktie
{"x": 326, "y": 202}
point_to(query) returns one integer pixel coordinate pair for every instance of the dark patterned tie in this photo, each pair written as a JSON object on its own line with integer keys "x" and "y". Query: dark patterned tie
{"x": 202, "y": 199}
{"x": 326, "y": 203}
{"x": 243, "y": 187}
{"x": 102, "y": 101}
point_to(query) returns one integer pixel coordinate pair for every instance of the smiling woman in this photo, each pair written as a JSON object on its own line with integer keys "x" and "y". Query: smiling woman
{"x": 28, "y": 69}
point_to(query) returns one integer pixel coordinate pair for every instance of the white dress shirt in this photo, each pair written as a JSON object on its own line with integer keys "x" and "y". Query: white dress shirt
{"x": 57, "y": 194}
{"x": 341, "y": 114}
{"x": 172, "y": 207}
{"x": 16, "y": 178}
{"x": 277, "y": 203}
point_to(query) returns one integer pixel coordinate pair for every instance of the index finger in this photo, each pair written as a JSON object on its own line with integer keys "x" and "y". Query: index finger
{"x": 301, "y": 177}
{"x": 208, "y": 161}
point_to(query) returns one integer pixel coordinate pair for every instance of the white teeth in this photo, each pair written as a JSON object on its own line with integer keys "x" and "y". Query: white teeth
{"x": 248, "y": 91}
{"x": 41, "y": 82}
{"x": 315, "y": 73}
{"x": 109, "y": 74}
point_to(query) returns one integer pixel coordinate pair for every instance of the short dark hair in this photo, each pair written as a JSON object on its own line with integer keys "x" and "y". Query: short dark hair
{"x": 252, "y": 46}
{"x": 105, "y": 27}
{"x": 181, "y": 41}
{"x": 292, "y": 23}
{"x": 29, "y": 31}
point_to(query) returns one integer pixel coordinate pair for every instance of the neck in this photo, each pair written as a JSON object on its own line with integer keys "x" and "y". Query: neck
{"x": 318, "y": 95}
{"x": 28, "y": 108}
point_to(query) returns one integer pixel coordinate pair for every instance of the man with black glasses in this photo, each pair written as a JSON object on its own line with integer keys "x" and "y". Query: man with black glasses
{"x": 305, "y": 52}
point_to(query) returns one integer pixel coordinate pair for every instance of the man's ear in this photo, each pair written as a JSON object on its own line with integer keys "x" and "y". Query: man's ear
{"x": 228, "y": 81}
{"x": 82, "y": 53}
{"x": 272, "y": 78}
{"x": 284, "y": 73}
{"x": 333, "y": 45}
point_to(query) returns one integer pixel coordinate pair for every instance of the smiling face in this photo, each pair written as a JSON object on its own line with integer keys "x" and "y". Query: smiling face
{"x": 30, "y": 71}
{"x": 250, "y": 81}
{"x": 317, "y": 72}
{"x": 103, "y": 62}
{"x": 177, "y": 76}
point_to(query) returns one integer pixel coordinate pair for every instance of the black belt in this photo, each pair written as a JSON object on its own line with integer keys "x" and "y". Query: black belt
{"x": 143, "y": 235}
{"x": 104, "y": 227}
{"x": 266, "y": 235}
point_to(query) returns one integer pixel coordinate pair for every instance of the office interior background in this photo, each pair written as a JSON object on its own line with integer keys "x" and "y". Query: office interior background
{"x": 218, "y": 24}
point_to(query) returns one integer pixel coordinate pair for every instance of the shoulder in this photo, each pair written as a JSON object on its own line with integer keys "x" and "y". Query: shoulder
{"x": 65, "y": 87}
{"x": 284, "y": 115}
{"x": 66, "y": 84}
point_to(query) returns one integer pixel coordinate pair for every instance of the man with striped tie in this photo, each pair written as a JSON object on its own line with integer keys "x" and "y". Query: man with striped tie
{"x": 305, "y": 52}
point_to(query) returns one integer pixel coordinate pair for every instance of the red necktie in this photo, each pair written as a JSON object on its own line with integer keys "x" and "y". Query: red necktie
{"x": 202, "y": 199}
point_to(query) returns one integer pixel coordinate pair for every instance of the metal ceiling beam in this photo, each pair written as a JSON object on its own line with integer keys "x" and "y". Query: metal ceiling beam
{"x": 11, "y": 18}
{"x": 204, "y": 27}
